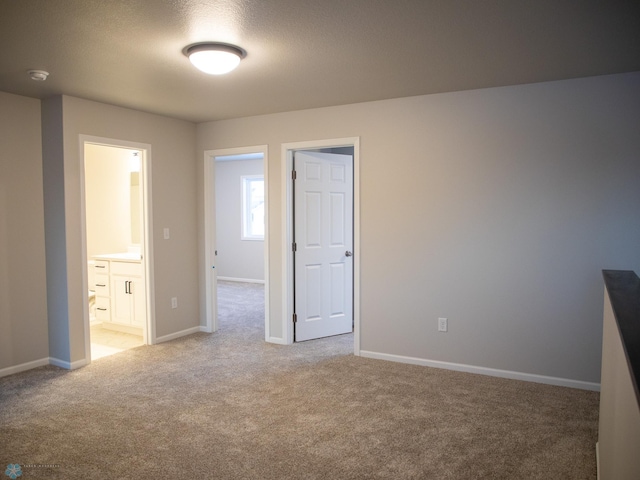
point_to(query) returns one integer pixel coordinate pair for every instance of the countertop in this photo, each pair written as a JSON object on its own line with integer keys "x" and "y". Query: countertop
{"x": 121, "y": 257}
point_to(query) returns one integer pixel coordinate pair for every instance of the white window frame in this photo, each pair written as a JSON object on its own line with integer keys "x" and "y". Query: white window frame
{"x": 245, "y": 205}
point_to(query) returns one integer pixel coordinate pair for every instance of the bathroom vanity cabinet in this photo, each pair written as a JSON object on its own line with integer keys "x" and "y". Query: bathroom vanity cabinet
{"x": 101, "y": 287}
{"x": 120, "y": 292}
{"x": 127, "y": 293}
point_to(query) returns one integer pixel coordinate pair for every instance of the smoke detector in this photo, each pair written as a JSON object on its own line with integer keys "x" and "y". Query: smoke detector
{"x": 38, "y": 75}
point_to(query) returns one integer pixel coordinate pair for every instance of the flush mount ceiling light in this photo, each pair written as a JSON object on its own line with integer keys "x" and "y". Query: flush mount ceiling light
{"x": 214, "y": 58}
{"x": 38, "y": 75}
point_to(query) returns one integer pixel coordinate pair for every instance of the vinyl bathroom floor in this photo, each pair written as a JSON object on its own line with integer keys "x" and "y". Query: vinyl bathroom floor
{"x": 105, "y": 342}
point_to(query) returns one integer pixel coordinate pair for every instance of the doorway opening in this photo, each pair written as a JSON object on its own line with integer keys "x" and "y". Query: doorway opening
{"x": 115, "y": 222}
{"x": 332, "y": 300}
{"x": 236, "y": 233}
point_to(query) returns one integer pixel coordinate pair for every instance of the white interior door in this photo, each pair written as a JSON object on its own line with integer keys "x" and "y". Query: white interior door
{"x": 323, "y": 236}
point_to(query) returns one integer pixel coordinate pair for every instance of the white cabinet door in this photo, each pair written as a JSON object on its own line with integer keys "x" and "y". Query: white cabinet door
{"x": 120, "y": 300}
{"x": 127, "y": 292}
{"x": 138, "y": 307}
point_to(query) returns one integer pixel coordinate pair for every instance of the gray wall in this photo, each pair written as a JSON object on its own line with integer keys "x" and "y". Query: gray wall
{"x": 173, "y": 194}
{"x": 55, "y": 229}
{"x": 40, "y": 163}
{"x": 237, "y": 258}
{"x": 23, "y": 295}
{"x": 496, "y": 208}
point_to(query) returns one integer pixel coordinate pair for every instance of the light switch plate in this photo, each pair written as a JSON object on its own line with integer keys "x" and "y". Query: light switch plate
{"x": 442, "y": 324}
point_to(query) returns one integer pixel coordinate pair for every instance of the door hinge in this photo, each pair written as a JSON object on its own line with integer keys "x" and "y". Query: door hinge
{"x": 295, "y": 318}
{"x": 294, "y": 175}
{"x": 294, "y": 247}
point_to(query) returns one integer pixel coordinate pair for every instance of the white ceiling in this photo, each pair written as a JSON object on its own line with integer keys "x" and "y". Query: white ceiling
{"x": 305, "y": 53}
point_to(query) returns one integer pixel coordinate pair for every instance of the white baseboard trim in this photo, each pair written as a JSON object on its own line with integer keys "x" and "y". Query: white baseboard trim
{"x": 276, "y": 340}
{"x": 598, "y": 460}
{"x": 243, "y": 280}
{"x": 24, "y": 367}
{"x": 182, "y": 333}
{"x": 122, "y": 328}
{"x": 493, "y": 372}
{"x": 67, "y": 365}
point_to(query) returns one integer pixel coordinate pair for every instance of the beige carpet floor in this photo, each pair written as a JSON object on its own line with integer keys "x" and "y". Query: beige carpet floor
{"x": 230, "y": 406}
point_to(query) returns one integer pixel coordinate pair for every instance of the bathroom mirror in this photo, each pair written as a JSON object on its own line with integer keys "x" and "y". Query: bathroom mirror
{"x": 113, "y": 199}
{"x": 135, "y": 207}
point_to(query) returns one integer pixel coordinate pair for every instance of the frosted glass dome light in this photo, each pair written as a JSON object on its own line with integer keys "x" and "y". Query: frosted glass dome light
{"x": 214, "y": 58}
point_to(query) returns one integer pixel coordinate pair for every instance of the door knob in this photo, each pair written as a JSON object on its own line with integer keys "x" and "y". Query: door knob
{"x": 348, "y": 254}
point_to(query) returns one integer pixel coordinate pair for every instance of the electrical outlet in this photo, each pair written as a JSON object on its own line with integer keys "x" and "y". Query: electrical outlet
{"x": 174, "y": 302}
{"x": 165, "y": 233}
{"x": 442, "y": 325}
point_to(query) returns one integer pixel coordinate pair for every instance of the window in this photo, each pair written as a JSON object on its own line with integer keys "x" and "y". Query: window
{"x": 252, "y": 207}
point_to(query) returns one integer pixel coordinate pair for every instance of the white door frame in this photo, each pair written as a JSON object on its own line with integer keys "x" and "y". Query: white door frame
{"x": 211, "y": 276}
{"x": 287, "y": 224}
{"x": 146, "y": 244}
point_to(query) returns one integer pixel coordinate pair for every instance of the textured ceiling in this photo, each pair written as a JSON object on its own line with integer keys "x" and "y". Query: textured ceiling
{"x": 305, "y": 53}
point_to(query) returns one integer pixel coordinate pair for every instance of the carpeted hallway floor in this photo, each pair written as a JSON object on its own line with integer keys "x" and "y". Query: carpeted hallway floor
{"x": 230, "y": 406}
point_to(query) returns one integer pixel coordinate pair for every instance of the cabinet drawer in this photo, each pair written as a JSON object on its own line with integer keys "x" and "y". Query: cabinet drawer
{"x": 101, "y": 266}
{"x": 126, "y": 268}
{"x": 103, "y": 312}
{"x": 102, "y": 285}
